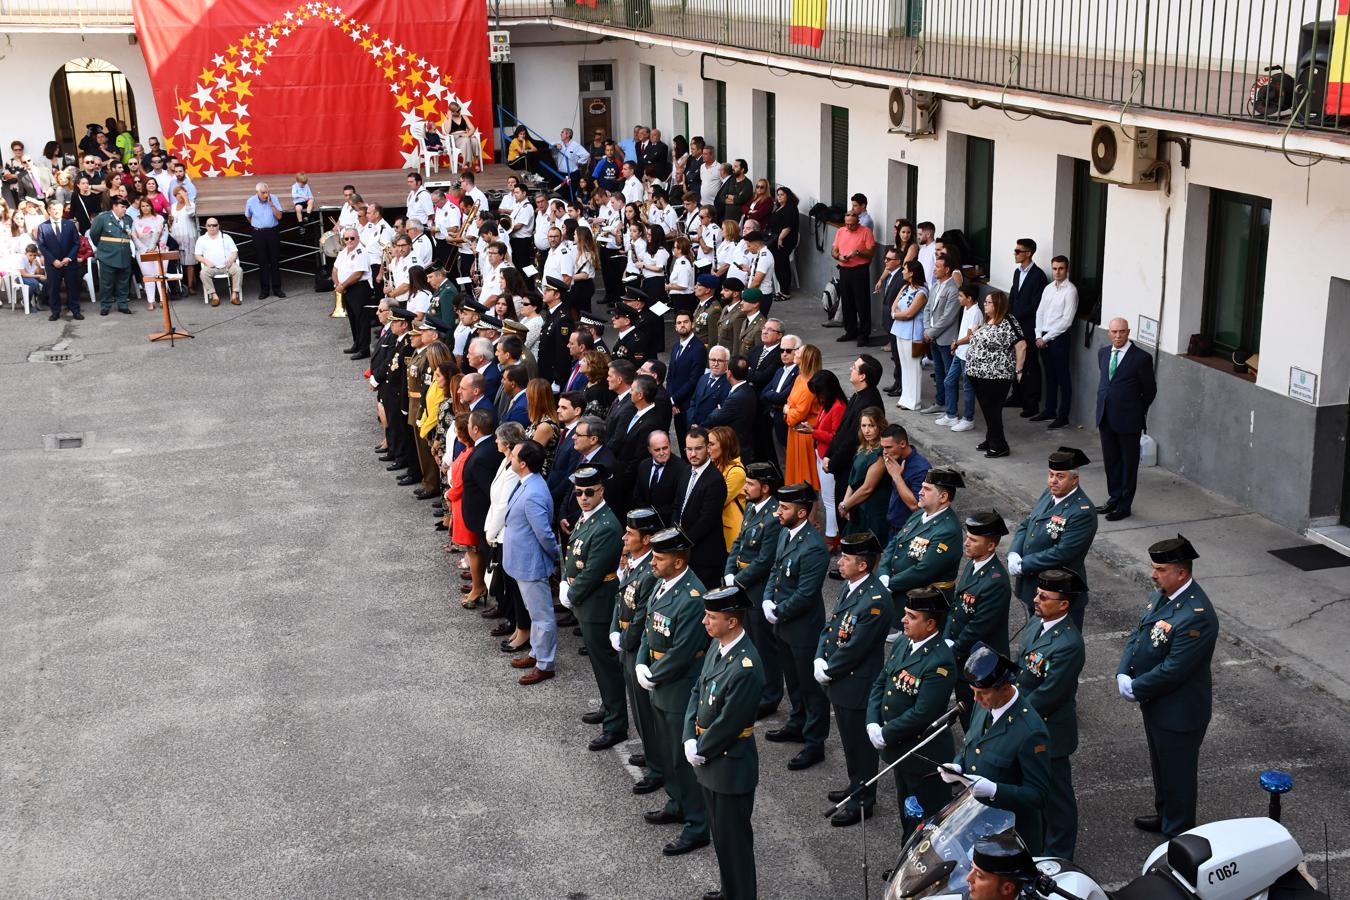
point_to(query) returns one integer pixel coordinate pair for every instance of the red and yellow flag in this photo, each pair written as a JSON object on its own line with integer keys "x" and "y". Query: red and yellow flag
{"x": 808, "y": 22}
{"x": 1338, "y": 69}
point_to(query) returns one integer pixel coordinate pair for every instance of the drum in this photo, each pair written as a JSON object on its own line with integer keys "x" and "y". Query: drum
{"x": 331, "y": 244}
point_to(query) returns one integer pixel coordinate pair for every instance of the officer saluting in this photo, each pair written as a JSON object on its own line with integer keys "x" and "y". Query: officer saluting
{"x": 909, "y": 694}
{"x": 625, "y": 634}
{"x": 668, "y": 662}
{"x": 589, "y": 584}
{"x": 748, "y": 565}
{"x": 849, "y": 655}
{"x": 719, "y": 739}
{"x": 110, "y": 234}
{"x": 1165, "y": 669}
{"x": 924, "y": 552}
{"x": 1005, "y": 759}
{"x": 1051, "y": 657}
{"x": 1058, "y": 532}
{"x": 980, "y": 602}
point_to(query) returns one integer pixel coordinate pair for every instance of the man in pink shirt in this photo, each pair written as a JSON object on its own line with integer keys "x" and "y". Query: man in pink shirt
{"x": 853, "y": 249}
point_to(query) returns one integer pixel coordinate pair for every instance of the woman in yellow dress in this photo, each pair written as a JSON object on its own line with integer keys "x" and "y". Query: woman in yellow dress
{"x": 800, "y": 414}
{"x": 724, "y": 450}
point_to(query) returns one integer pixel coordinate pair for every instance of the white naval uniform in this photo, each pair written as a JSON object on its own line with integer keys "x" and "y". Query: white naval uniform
{"x": 561, "y": 262}
{"x": 419, "y": 205}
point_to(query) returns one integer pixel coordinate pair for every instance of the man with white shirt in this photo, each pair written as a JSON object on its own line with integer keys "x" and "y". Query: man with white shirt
{"x": 376, "y": 235}
{"x": 1125, "y": 389}
{"x": 710, "y": 177}
{"x": 1054, "y": 319}
{"x": 522, "y": 227}
{"x": 351, "y": 280}
{"x": 351, "y": 201}
{"x": 632, "y": 184}
{"x": 218, "y": 256}
{"x": 545, "y": 217}
{"x": 421, "y": 251}
{"x": 449, "y": 217}
{"x": 419, "y": 199}
{"x": 396, "y": 278}
{"x": 924, "y": 235}
{"x": 493, "y": 286}
{"x": 469, "y": 185}
{"x": 561, "y": 262}
{"x": 569, "y": 157}
{"x": 1058, "y": 532}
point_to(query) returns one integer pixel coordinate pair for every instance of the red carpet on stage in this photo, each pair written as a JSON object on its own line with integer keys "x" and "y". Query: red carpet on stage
{"x": 250, "y": 86}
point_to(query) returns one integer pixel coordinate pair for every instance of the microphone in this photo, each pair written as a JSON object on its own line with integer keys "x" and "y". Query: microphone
{"x": 946, "y": 719}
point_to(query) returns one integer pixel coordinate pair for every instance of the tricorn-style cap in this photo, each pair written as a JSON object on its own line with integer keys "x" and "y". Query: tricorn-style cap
{"x": 945, "y": 478}
{"x": 796, "y": 493}
{"x": 671, "y": 540}
{"x": 859, "y": 543}
{"x": 487, "y": 323}
{"x": 987, "y": 668}
{"x": 765, "y": 473}
{"x": 645, "y": 521}
{"x": 1172, "y": 550}
{"x": 1004, "y": 855}
{"x": 926, "y": 600}
{"x": 588, "y": 476}
{"x": 1066, "y": 458}
{"x": 399, "y": 312}
{"x": 635, "y": 293}
{"x": 986, "y": 523}
{"x": 1061, "y": 581}
{"x": 726, "y": 599}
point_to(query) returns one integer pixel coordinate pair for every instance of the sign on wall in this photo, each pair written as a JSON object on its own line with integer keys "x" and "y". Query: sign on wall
{"x": 1148, "y": 331}
{"x": 1302, "y": 385}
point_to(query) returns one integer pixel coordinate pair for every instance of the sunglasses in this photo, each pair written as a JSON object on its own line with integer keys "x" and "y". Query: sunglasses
{"x": 212, "y": 224}
{"x": 348, "y": 240}
{"x": 586, "y": 492}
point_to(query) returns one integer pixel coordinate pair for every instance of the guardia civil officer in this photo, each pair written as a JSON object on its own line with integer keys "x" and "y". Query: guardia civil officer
{"x": 979, "y": 609}
{"x": 924, "y": 552}
{"x": 1166, "y": 670}
{"x": 748, "y": 565}
{"x": 1006, "y": 755}
{"x": 1051, "y": 656}
{"x": 719, "y": 739}
{"x": 849, "y": 656}
{"x": 669, "y": 660}
{"x": 636, "y": 581}
{"x": 909, "y": 694}
{"x": 1000, "y": 868}
{"x": 1058, "y": 532}
{"x": 110, "y": 233}
{"x": 793, "y": 605}
{"x": 589, "y": 584}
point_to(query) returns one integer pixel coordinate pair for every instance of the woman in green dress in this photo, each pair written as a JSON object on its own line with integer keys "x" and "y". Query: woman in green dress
{"x": 864, "y": 504}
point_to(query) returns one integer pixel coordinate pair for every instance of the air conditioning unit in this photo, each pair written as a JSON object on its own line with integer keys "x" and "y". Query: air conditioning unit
{"x": 913, "y": 113}
{"x": 1124, "y": 156}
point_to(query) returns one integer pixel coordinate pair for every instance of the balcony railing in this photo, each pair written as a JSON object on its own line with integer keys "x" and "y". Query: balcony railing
{"x": 65, "y": 14}
{"x": 1198, "y": 57}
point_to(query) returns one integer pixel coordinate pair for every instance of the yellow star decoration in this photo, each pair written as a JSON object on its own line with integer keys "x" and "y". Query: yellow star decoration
{"x": 201, "y": 151}
{"x": 184, "y": 106}
{"x": 240, "y": 128}
{"x": 241, "y": 89}
{"x": 402, "y": 100}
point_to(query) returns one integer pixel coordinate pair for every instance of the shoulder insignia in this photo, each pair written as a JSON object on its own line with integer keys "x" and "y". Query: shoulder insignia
{"x": 1085, "y": 507}
{"x": 693, "y": 593}
{"x": 1198, "y": 608}
{"x": 941, "y": 670}
{"x": 1194, "y": 632}
{"x": 746, "y": 663}
{"x": 1039, "y": 748}
{"x": 995, "y": 574}
{"x": 876, "y": 611}
{"x": 942, "y": 548}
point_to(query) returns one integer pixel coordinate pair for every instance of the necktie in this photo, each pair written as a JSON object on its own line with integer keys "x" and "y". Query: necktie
{"x": 1115, "y": 361}
{"x": 513, "y": 494}
{"x": 37, "y": 186}
{"x": 763, "y": 355}
{"x": 656, "y": 475}
{"x": 712, "y": 382}
{"x": 631, "y": 422}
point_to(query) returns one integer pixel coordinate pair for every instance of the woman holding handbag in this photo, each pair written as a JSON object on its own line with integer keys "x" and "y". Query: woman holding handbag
{"x": 907, "y": 332}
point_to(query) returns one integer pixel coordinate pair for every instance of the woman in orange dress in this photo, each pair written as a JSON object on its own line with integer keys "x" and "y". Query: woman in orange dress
{"x": 800, "y": 414}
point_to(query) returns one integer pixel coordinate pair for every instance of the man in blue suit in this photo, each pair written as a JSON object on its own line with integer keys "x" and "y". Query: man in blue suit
{"x": 59, "y": 241}
{"x": 529, "y": 556}
{"x": 737, "y": 409}
{"x": 775, "y": 394}
{"x": 712, "y": 388}
{"x": 570, "y": 406}
{"x": 517, "y": 408}
{"x": 1125, "y": 390}
{"x": 688, "y": 359}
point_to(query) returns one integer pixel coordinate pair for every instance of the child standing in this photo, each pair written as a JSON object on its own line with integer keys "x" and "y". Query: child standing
{"x": 971, "y": 318}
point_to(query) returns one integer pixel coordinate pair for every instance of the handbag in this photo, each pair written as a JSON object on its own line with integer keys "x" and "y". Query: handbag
{"x": 86, "y": 250}
{"x": 918, "y": 349}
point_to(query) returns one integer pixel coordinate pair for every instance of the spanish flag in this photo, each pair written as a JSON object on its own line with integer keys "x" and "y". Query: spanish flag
{"x": 808, "y": 22}
{"x": 1338, "y": 69}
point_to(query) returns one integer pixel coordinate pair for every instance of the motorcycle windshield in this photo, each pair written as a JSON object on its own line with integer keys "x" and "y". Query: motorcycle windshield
{"x": 936, "y": 859}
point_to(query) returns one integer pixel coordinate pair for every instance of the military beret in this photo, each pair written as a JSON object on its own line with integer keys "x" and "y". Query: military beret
{"x": 1004, "y": 855}
{"x": 945, "y": 478}
{"x": 733, "y": 284}
{"x": 987, "y": 668}
{"x": 986, "y": 523}
{"x": 588, "y": 476}
{"x": 752, "y": 295}
{"x": 488, "y": 323}
{"x": 926, "y": 600}
{"x": 555, "y": 283}
{"x": 707, "y": 281}
{"x": 726, "y": 599}
{"x": 1066, "y": 458}
{"x": 765, "y": 473}
{"x": 801, "y": 493}
{"x": 1172, "y": 550}
{"x": 645, "y": 521}
{"x": 1061, "y": 581}
{"x": 859, "y": 543}
{"x": 671, "y": 540}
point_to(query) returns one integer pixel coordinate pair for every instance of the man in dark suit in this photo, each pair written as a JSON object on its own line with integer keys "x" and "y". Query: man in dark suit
{"x": 739, "y": 408}
{"x": 1029, "y": 281}
{"x": 711, "y": 388}
{"x": 517, "y": 409}
{"x": 863, "y": 375}
{"x": 888, "y": 286}
{"x": 656, "y": 371}
{"x": 661, "y": 479}
{"x": 1125, "y": 390}
{"x": 765, "y": 362}
{"x": 774, "y": 396}
{"x": 620, "y": 381}
{"x": 59, "y": 241}
{"x": 699, "y": 512}
{"x": 479, "y": 470}
{"x": 656, "y": 153}
{"x": 589, "y": 438}
{"x": 630, "y": 444}
{"x": 688, "y": 359}
{"x": 570, "y": 406}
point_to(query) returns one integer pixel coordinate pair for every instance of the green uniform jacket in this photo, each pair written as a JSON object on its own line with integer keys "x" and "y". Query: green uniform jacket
{"x": 1054, "y": 536}
{"x": 674, "y": 641}
{"x": 800, "y": 565}
{"x": 1168, "y": 657}
{"x": 444, "y": 298}
{"x": 1051, "y": 662}
{"x": 853, "y": 643}
{"x": 912, "y": 690}
{"x": 752, "y": 553}
{"x": 590, "y": 565}
{"x": 721, "y": 717}
{"x": 980, "y": 609}
{"x": 111, "y": 238}
{"x": 1015, "y": 755}
{"x": 706, "y": 318}
{"x": 922, "y": 553}
{"x": 630, "y": 612}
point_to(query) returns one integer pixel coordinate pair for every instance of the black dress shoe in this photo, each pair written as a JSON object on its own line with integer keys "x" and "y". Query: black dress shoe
{"x": 264, "y": 295}
{"x": 281, "y": 293}
{"x": 1041, "y": 417}
{"x": 682, "y": 845}
{"x": 648, "y": 785}
{"x": 54, "y": 317}
{"x": 661, "y": 817}
{"x": 582, "y": 651}
{"x": 385, "y": 457}
{"x": 836, "y": 796}
{"x": 594, "y": 717}
{"x": 847, "y": 817}
{"x": 1105, "y": 508}
{"x": 1117, "y": 514}
{"x": 892, "y": 392}
{"x": 125, "y": 310}
{"x": 714, "y": 895}
{"x": 441, "y": 526}
{"x": 846, "y": 336}
{"x": 361, "y": 355}
{"x": 493, "y": 612}
{"x": 424, "y": 494}
{"x": 1059, "y": 423}
{"x": 501, "y": 630}
{"x": 638, "y": 759}
{"x": 996, "y": 454}
{"x": 566, "y": 620}
{"x": 805, "y": 760}
{"x": 352, "y": 349}
{"x": 1027, "y": 413}
{"x": 784, "y": 736}
{"x": 605, "y": 741}
{"x": 104, "y": 312}
{"x": 1148, "y": 823}
{"x": 576, "y": 632}
{"x": 982, "y": 446}
{"x": 508, "y": 648}
{"x": 406, "y": 480}
{"x": 395, "y": 466}
{"x": 79, "y": 317}
{"x": 765, "y": 711}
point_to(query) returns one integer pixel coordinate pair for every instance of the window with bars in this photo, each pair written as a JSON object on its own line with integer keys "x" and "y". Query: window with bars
{"x": 839, "y": 156}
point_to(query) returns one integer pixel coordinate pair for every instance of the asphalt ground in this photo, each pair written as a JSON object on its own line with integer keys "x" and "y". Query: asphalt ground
{"x": 231, "y": 662}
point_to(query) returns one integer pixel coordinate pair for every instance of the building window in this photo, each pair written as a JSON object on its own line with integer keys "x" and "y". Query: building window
{"x": 715, "y": 115}
{"x": 721, "y": 87}
{"x": 979, "y": 206}
{"x": 682, "y": 119}
{"x": 649, "y": 94}
{"x": 1087, "y": 239}
{"x": 1235, "y": 270}
{"x": 771, "y": 137}
{"x": 839, "y": 156}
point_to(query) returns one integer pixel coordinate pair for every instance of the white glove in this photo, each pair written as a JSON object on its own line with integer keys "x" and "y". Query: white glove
{"x": 614, "y": 641}
{"x": 950, "y": 643}
{"x": 951, "y": 773}
{"x": 884, "y": 579}
{"x": 1126, "y": 686}
{"x": 729, "y": 580}
{"x": 691, "y": 753}
{"x": 769, "y": 613}
{"x": 373, "y": 382}
{"x": 563, "y": 590}
{"x": 820, "y": 666}
{"x": 874, "y": 735}
{"x": 983, "y": 788}
{"x": 644, "y": 676}
{"x": 1014, "y": 564}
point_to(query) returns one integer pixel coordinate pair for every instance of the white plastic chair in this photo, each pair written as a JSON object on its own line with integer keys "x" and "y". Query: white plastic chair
{"x": 89, "y": 280}
{"x": 453, "y": 155}
{"x": 16, "y": 289}
{"x": 430, "y": 162}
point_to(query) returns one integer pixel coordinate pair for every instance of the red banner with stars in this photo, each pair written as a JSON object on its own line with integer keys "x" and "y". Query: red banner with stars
{"x": 244, "y": 86}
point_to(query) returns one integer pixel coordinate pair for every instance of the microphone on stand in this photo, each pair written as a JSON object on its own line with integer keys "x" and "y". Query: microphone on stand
{"x": 945, "y": 720}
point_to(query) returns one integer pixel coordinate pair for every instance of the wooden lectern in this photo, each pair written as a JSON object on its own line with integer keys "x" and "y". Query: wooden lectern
{"x": 159, "y": 257}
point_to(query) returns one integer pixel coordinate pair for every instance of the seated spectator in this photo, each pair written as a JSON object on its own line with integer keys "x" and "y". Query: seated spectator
{"x": 34, "y": 274}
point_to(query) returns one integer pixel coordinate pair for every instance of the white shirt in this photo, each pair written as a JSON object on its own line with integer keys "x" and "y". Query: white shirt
{"x": 522, "y": 221}
{"x": 977, "y": 565}
{"x": 1120, "y": 354}
{"x": 994, "y": 715}
{"x": 492, "y": 284}
{"x": 560, "y": 263}
{"x": 448, "y": 217}
{"x": 398, "y": 270}
{"x": 375, "y": 236}
{"x": 419, "y": 205}
{"x": 611, "y": 225}
{"x": 913, "y": 645}
{"x": 349, "y": 262}
{"x": 419, "y": 302}
{"x": 216, "y": 250}
{"x": 1059, "y": 304}
{"x": 1179, "y": 591}
{"x": 792, "y": 532}
{"x": 507, "y": 203}
{"x": 710, "y": 180}
{"x": 1046, "y": 626}
{"x": 724, "y": 649}
{"x": 712, "y": 236}
{"x": 761, "y": 263}
{"x": 1056, "y": 501}
{"x": 971, "y": 318}
{"x": 543, "y": 221}
{"x": 727, "y": 255}
{"x": 347, "y": 217}
{"x": 694, "y": 475}
{"x": 595, "y": 509}
{"x": 682, "y": 275}
{"x": 632, "y": 190}
{"x": 666, "y": 218}
{"x": 928, "y": 259}
{"x": 477, "y": 197}
{"x": 420, "y": 252}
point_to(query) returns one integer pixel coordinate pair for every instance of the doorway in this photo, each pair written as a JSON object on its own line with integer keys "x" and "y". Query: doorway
{"x": 902, "y": 194}
{"x": 682, "y": 119}
{"x": 87, "y": 91}
{"x": 504, "y": 96}
{"x": 596, "y": 82}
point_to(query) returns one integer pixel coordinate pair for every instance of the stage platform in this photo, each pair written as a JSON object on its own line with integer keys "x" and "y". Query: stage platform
{"x": 227, "y": 195}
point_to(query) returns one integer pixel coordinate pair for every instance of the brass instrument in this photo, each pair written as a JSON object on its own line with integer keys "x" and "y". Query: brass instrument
{"x": 338, "y": 311}
{"x": 457, "y": 237}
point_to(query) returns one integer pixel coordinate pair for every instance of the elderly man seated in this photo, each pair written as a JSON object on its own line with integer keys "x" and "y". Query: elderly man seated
{"x": 219, "y": 257}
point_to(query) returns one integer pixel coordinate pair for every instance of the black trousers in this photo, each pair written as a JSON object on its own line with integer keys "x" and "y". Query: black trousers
{"x": 267, "y": 244}
{"x": 782, "y": 267}
{"x": 522, "y": 254}
{"x": 990, "y": 393}
{"x": 463, "y": 266}
{"x": 733, "y": 839}
{"x": 860, "y": 757}
{"x": 612, "y": 263}
{"x": 855, "y": 300}
{"x": 1174, "y": 757}
{"x": 810, "y": 713}
{"x": 68, "y": 277}
{"x": 1120, "y": 456}
{"x": 580, "y": 294}
{"x": 1027, "y": 392}
{"x": 356, "y": 298}
{"x": 895, "y": 361}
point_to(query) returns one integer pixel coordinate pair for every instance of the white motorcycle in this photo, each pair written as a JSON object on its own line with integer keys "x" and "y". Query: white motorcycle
{"x": 1234, "y": 859}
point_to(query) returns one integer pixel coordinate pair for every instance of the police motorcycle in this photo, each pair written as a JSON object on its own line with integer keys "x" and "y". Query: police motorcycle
{"x": 1234, "y": 859}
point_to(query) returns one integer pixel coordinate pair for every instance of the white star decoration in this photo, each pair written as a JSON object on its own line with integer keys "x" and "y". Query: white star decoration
{"x": 185, "y": 127}
{"x": 435, "y": 89}
{"x": 222, "y": 82}
{"x": 246, "y": 68}
{"x": 412, "y": 159}
{"x": 230, "y": 154}
{"x": 211, "y": 172}
{"x": 410, "y": 119}
{"x": 218, "y": 60}
{"x": 202, "y": 95}
{"x": 241, "y": 110}
{"x": 217, "y": 128}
